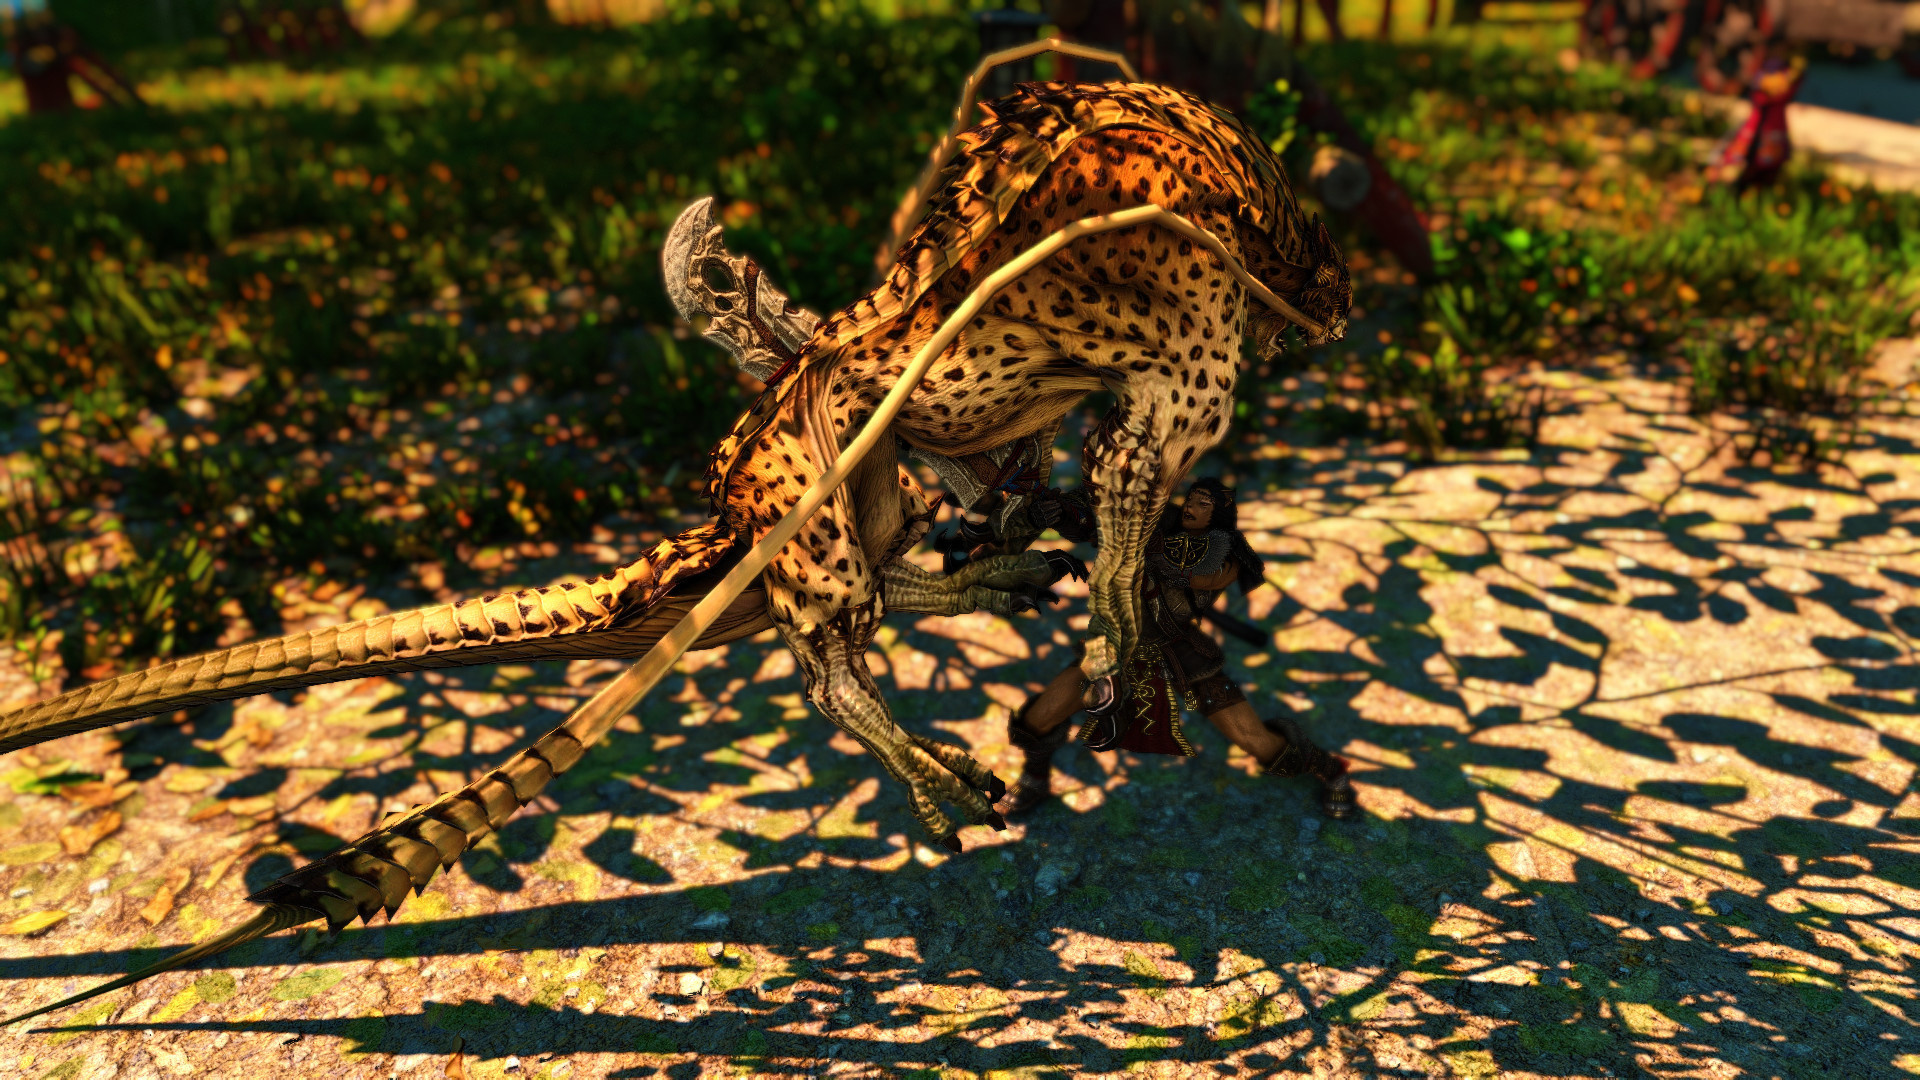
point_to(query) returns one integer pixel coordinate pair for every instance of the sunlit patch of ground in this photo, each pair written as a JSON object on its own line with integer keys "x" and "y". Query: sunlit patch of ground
{"x": 1636, "y": 729}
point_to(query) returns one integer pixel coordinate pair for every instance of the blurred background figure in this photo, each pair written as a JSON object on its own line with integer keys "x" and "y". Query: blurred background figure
{"x": 270, "y": 28}
{"x": 49, "y": 55}
{"x": 1756, "y": 152}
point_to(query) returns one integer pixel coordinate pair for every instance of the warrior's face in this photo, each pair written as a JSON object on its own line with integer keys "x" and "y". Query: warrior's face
{"x": 1197, "y": 514}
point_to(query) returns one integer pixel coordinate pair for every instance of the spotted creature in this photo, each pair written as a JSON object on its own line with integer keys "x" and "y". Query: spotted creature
{"x": 1141, "y": 312}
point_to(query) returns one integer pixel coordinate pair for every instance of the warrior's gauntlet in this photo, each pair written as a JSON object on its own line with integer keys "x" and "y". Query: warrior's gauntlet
{"x": 1066, "y": 513}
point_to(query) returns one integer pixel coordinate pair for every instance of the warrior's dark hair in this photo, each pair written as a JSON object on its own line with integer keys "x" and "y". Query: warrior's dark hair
{"x": 1226, "y": 518}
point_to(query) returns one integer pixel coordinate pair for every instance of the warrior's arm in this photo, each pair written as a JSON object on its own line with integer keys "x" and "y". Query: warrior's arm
{"x": 1214, "y": 582}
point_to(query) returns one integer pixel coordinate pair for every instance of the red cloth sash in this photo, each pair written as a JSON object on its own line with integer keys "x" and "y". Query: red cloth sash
{"x": 1153, "y": 724}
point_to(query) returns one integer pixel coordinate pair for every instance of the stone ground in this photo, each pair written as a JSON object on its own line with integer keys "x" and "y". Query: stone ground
{"x": 1636, "y": 727}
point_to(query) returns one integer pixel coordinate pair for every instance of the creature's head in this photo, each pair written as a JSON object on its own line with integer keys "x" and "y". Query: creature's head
{"x": 1299, "y": 261}
{"x": 1330, "y": 294}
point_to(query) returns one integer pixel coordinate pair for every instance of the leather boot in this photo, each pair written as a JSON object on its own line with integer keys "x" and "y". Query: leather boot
{"x": 1301, "y": 757}
{"x": 1035, "y": 784}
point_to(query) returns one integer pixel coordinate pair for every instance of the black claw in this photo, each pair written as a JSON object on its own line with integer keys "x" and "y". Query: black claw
{"x": 996, "y": 788}
{"x": 999, "y": 823}
{"x": 951, "y": 843}
{"x": 1062, "y": 564}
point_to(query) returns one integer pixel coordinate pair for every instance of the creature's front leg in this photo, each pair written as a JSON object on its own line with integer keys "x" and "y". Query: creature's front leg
{"x": 1001, "y": 584}
{"x": 831, "y": 655}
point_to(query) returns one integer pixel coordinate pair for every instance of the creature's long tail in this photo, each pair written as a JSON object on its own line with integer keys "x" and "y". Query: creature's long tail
{"x": 592, "y": 618}
{"x": 373, "y": 873}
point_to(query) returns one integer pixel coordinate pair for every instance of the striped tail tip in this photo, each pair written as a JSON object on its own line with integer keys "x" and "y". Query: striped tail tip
{"x": 273, "y": 918}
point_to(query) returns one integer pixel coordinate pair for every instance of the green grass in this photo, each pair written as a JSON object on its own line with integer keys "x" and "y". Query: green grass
{"x": 1572, "y": 215}
{"x": 1258, "y": 887}
{"x": 407, "y": 298}
{"x": 1573, "y": 1038}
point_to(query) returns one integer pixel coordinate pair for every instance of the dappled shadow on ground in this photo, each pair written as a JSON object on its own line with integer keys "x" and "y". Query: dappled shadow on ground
{"x": 1636, "y": 729}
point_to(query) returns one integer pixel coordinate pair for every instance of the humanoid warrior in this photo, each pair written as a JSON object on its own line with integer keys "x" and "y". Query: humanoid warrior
{"x": 1199, "y": 551}
{"x": 1756, "y": 152}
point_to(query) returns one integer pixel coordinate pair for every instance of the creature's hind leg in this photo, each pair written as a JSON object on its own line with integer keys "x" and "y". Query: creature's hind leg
{"x": 832, "y": 661}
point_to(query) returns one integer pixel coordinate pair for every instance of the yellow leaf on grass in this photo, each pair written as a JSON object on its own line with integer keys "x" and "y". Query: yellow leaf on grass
{"x": 1476, "y": 1064}
{"x": 28, "y": 854}
{"x": 259, "y": 804}
{"x": 35, "y": 923}
{"x": 93, "y": 793}
{"x": 1370, "y": 1008}
{"x": 159, "y": 907}
{"x": 79, "y": 839}
{"x": 220, "y": 866}
{"x": 188, "y": 781}
{"x": 181, "y": 1004}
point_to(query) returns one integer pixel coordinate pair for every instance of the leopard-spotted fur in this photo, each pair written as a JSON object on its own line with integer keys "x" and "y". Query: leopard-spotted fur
{"x": 1141, "y": 312}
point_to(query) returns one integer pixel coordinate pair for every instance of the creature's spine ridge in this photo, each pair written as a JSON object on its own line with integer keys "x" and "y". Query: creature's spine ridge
{"x": 373, "y": 873}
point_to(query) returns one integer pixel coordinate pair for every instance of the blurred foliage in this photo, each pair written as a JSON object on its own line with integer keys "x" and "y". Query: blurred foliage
{"x": 1442, "y": 398}
{"x": 1500, "y": 288}
{"x": 116, "y": 26}
{"x": 1571, "y": 214}
{"x": 408, "y": 298}
{"x": 1274, "y": 111}
{"x": 1775, "y": 299}
{"x": 1500, "y": 291}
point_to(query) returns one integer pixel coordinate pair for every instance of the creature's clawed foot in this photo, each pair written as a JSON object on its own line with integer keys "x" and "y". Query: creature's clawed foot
{"x": 996, "y": 788}
{"x": 956, "y": 547}
{"x": 1017, "y": 601}
{"x": 937, "y": 772}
